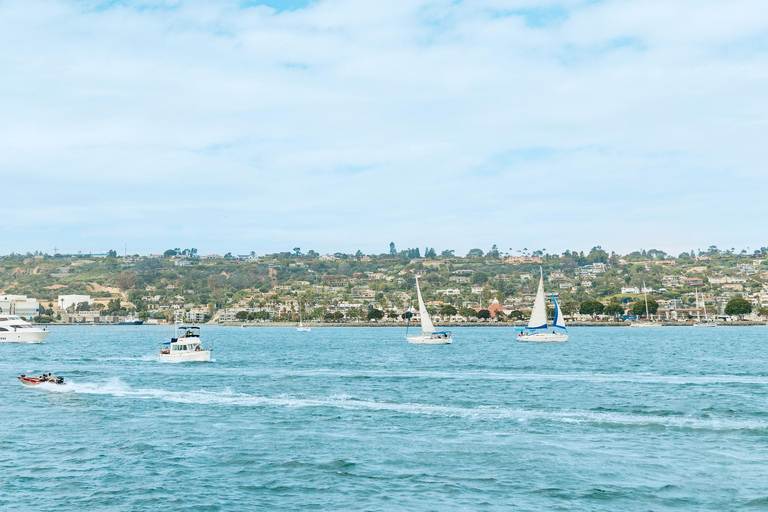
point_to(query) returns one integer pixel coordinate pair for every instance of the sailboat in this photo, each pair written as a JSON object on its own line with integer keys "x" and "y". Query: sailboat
{"x": 428, "y": 334}
{"x": 699, "y": 322}
{"x": 537, "y": 329}
{"x": 648, "y": 322}
{"x": 301, "y": 327}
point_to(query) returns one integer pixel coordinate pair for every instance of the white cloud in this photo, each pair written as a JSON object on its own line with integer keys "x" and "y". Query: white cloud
{"x": 337, "y": 126}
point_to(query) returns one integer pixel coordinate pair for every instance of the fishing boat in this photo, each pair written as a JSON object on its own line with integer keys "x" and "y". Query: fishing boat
{"x": 428, "y": 336}
{"x": 537, "y": 329}
{"x": 699, "y": 322}
{"x": 43, "y": 379}
{"x": 648, "y": 322}
{"x": 15, "y": 330}
{"x": 185, "y": 348}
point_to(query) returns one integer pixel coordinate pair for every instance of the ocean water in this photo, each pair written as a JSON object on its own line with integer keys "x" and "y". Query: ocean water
{"x": 358, "y": 419}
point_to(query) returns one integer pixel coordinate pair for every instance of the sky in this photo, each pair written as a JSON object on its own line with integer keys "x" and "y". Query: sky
{"x": 338, "y": 125}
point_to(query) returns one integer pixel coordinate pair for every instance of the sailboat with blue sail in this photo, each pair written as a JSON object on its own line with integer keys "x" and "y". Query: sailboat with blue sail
{"x": 538, "y": 329}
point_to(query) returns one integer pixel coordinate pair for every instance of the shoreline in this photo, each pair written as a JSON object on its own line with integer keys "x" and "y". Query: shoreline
{"x": 414, "y": 326}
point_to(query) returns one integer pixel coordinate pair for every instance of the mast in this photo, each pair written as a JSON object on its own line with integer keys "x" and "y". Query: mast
{"x": 645, "y": 294}
{"x": 698, "y": 313}
{"x": 426, "y": 323}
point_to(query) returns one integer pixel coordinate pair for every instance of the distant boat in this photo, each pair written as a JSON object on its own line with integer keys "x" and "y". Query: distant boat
{"x": 648, "y": 322}
{"x": 301, "y": 327}
{"x": 428, "y": 334}
{"x": 699, "y": 322}
{"x": 537, "y": 325}
{"x": 131, "y": 320}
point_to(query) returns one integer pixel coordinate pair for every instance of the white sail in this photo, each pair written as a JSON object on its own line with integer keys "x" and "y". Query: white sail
{"x": 539, "y": 314}
{"x": 426, "y": 323}
{"x": 559, "y": 320}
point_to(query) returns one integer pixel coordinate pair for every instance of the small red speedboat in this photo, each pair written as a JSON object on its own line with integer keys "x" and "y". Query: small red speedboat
{"x": 44, "y": 379}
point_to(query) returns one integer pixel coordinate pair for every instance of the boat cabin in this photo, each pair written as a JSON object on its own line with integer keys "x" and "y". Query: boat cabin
{"x": 189, "y": 341}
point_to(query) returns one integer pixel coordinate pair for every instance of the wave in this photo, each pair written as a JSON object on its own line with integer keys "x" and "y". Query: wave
{"x": 116, "y": 387}
{"x": 635, "y": 378}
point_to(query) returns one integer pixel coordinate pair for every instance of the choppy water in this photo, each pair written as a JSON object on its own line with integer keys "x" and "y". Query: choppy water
{"x": 357, "y": 419}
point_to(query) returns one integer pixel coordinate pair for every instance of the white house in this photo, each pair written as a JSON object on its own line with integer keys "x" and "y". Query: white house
{"x": 66, "y": 301}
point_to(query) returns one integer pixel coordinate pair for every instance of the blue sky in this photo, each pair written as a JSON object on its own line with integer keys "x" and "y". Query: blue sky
{"x": 339, "y": 125}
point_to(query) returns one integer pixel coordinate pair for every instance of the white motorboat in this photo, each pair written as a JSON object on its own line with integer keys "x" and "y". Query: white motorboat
{"x": 648, "y": 322}
{"x": 185, "y": 348}
{"x": 699, "y": 322}
{"x": 428, "y": 336}
{"x": 15, "y": 330}
{"x": 537, "y": 329}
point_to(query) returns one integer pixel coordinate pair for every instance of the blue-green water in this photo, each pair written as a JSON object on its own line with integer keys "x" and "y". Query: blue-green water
{"x": 358, "y": 419}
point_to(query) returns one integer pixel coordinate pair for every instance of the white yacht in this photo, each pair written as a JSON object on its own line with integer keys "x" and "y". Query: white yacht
{"x": 537, "y": 329}
{"x": 15, "y": 330}
{"x": 428, "y": 334}
{"x": 648, "y": 321}
{"x": 186, "y": 347}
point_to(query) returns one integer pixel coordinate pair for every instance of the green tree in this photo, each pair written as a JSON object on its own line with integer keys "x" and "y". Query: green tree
{"x": 475, "y": 253}
{"x": 241, "y": 315}
{"x": 614, "y": 309}
{"x": 738, "y": 306}
{"x": 375, "y": 314}
{"x": 591, "y": 307}
{"x": 479, "y": 278}
{"x": 83, "y": 306}
{"x": 447, "y": 310}
{"x": 468, "y": 313}
{"x": 170, "y": 253}
{"x": 763, "y": 312}
{"x": 392, "y": 250}
{"x": 483, "y": 314}
{"x": 638, "y": 308}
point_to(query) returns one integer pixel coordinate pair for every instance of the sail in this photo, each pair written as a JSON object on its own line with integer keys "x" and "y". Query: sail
{"x": 539, "y": 314}
{"x": 559, "y": 320}
{"x": 426, "y": 323}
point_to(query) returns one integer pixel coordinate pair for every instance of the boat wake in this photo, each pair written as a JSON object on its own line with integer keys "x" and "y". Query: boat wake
{"x": 117, "y": 388}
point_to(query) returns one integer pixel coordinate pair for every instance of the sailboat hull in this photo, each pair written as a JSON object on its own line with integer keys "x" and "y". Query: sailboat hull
{"x": 428, "y": 340}
{"x": 544, "y": 337}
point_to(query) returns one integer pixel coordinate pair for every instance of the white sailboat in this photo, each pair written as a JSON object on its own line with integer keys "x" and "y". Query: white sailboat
{"x": 699, "y": 322}
{"x": 537, "y": 325}
{"x": 301, "y": 327}
{"x": 428, "y": 334}
{"x": 648, "y": 322}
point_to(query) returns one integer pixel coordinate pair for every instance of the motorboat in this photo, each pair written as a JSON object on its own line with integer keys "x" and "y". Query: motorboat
{"x": 186, "y": 347}
{"x": 13, "y": 329}
{"x": 43, "y": 379}
{"x": 538, "y": 329}
{"x": 428, "y": 336}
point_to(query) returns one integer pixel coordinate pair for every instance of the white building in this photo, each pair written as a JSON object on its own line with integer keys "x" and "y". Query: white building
{"x": 630, "y": 289}
{"x": 19, "y": 305}
{"x": 66, "y": 301}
